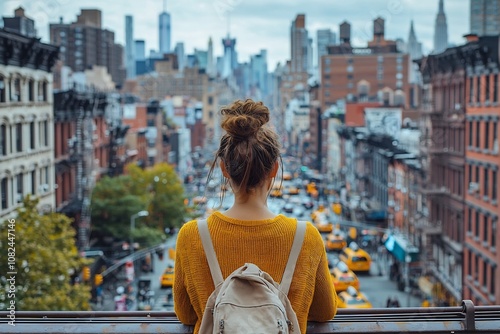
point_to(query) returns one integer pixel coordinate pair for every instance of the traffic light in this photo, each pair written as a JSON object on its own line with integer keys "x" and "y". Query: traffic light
{"x": 86, "y": 273}
{"x": 98, "y": 279}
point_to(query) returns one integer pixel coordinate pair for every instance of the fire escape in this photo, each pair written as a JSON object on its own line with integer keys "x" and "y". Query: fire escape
{"x": 84, "y": 172}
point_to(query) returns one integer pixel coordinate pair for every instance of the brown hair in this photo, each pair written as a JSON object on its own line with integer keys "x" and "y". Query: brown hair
{"x": 249, "y": 148}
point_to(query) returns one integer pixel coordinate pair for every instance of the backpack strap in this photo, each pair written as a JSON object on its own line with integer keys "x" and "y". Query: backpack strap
{"x": 210, "y": 252}
{"x": 292, "y": 258}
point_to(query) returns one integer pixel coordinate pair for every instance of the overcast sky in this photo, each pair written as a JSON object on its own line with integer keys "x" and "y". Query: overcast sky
{"x": 256, "y": 24}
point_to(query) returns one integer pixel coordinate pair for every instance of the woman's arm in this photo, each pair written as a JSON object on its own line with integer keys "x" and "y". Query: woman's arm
{"x": 324, "y": 304}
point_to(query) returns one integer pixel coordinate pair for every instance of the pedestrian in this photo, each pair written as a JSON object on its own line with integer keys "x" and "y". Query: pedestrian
{"x": 388, "y": 302}
{"x": 248, "y": 232}
{"x": 395, "y": 302}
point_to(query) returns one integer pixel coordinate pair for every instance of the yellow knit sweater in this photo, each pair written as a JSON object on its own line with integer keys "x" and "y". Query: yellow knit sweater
{"x": 267, "y": 244}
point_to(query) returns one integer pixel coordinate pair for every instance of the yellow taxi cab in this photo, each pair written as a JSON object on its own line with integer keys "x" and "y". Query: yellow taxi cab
{"x": 322, "y": 223}
{"x": 293, "y": 190}
{"x": 167, "y": 278}
{"x": 335, "y": 241}
{"x": 352, "y": 298}
{"x": 343, "y": 278}
{"x": 356, "y": 258}
{"x": 287, "y": 176}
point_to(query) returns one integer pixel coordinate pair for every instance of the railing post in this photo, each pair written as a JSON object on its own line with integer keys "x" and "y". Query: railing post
{"x": 469, "y": 310}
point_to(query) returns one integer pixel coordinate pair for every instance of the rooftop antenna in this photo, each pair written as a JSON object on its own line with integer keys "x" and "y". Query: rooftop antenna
{"x": 228, "y": 23}
{"x": 164, "y": 6}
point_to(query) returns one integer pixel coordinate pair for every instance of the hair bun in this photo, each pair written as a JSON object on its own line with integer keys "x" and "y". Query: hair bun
{"x": 243, "y": 119}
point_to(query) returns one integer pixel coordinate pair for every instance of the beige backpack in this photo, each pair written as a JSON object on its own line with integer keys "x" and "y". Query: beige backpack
{"x": 249, "y": 300}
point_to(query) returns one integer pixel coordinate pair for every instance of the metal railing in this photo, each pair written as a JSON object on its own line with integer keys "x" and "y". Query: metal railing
{"x": 461, "y": 319}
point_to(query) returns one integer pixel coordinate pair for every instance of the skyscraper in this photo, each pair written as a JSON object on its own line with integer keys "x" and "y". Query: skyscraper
{"x": 299, "y": 44}
{"x": 181, "y": 56}
{"x": 324, "y": 37}
{"x": 440, "y": 30}
{"x": 129, "y": 46}
{"x": 485, "y": 17}
{"x": 230, "y": 60}
{"x": 211, "y": 70}
{"x": 164, "y": 30}
{"x": 414, "y": 48}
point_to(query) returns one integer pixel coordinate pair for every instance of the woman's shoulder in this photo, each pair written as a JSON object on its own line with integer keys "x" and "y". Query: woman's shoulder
{"x": 187, "y": 230}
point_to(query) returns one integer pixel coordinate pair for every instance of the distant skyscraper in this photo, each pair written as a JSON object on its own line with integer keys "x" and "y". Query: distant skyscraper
{"x": 230, "y": 60}
{"x": 299, "y": 45}
{"x": 181, "y": 56}
{"x": 211, "y": 70}
{"x": 164, "y": 31}
{"x": 485, "y": 17}
{"x": 414, "y": 48}
{"x": 140, "y": 57}
{"x": 129, "y": 46}
{"x": 324, "y": 37}
{"x": 440, "y": 30}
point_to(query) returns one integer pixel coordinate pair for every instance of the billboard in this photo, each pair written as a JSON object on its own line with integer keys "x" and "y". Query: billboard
{"x": 384, "y": 121}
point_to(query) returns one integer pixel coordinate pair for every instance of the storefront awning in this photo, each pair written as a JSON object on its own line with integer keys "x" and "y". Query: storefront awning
{"x": 400, "y": 248}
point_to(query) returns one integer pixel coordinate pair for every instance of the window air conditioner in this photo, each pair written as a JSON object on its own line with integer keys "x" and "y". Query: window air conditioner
{"x": 473, "y": 186}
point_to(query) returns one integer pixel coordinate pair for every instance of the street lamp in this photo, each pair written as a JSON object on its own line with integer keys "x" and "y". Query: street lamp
{"x": 143, "y": 213}
{"x": 407, "y": 288}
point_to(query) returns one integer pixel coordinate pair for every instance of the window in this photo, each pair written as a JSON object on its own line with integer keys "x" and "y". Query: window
{"x": 3, "y": 139}
{"x": 476, "y": 267}
{"x": 20, "y": 190}
{"x": 487, "y": 135}
{"x": 469, "y": 260}
{"x": 32, "y": 135}
{"x": 492, "y": 279}
{"x": 469, "y": 220}
{"x": 2, "y": 89}
{"x": 478, "y": 98}
{"x": 477, "y": 224}
{"x": 478, "y": 131}
{"x": 471, "y": 90}
{"x": 487, "y": 88}
{"x": 485, "y": 274}
{"x": 19, "y": 137}
{"x": 477, "y": 175}
{"x": 33, "y": 182}
{"x": 494, "y": 233}
{"x": 495, "y": 88}
{"x": 470, "y": 132}
{"x": 485, "y": 228}
{"x": 494, "y": 185}
{"x": 15, "y": 93}
{"x": 4, "y": 193}
{"x": 485, "y": 182}
{"x": 45, "y": 133}
{"x": 31, "y": 90}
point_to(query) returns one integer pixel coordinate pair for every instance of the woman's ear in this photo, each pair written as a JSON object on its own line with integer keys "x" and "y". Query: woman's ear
{"x": 223, "y": 169}
{"x": 274, "y": 170}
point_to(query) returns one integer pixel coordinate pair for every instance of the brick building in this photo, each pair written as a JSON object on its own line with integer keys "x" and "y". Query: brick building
{"x": 353, "y": 73}
{"x": 77, "y": 43}
{"x": 481, "y": 256}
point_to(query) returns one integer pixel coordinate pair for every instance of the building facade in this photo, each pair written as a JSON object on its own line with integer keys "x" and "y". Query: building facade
{"x": 481, "y": 256}
{"x": 26, "y": 122}
{"x": 380, "y": 66}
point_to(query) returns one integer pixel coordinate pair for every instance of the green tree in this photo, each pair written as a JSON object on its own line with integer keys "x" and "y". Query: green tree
{"x": 166, "y": 195}
{"x": 45, "y": 258}
{"x": 114, "y": 201}
{"x": 157, "y": 190}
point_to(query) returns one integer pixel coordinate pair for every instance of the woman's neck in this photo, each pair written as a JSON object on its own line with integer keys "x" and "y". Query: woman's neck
{"x": 250, "y": 206}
